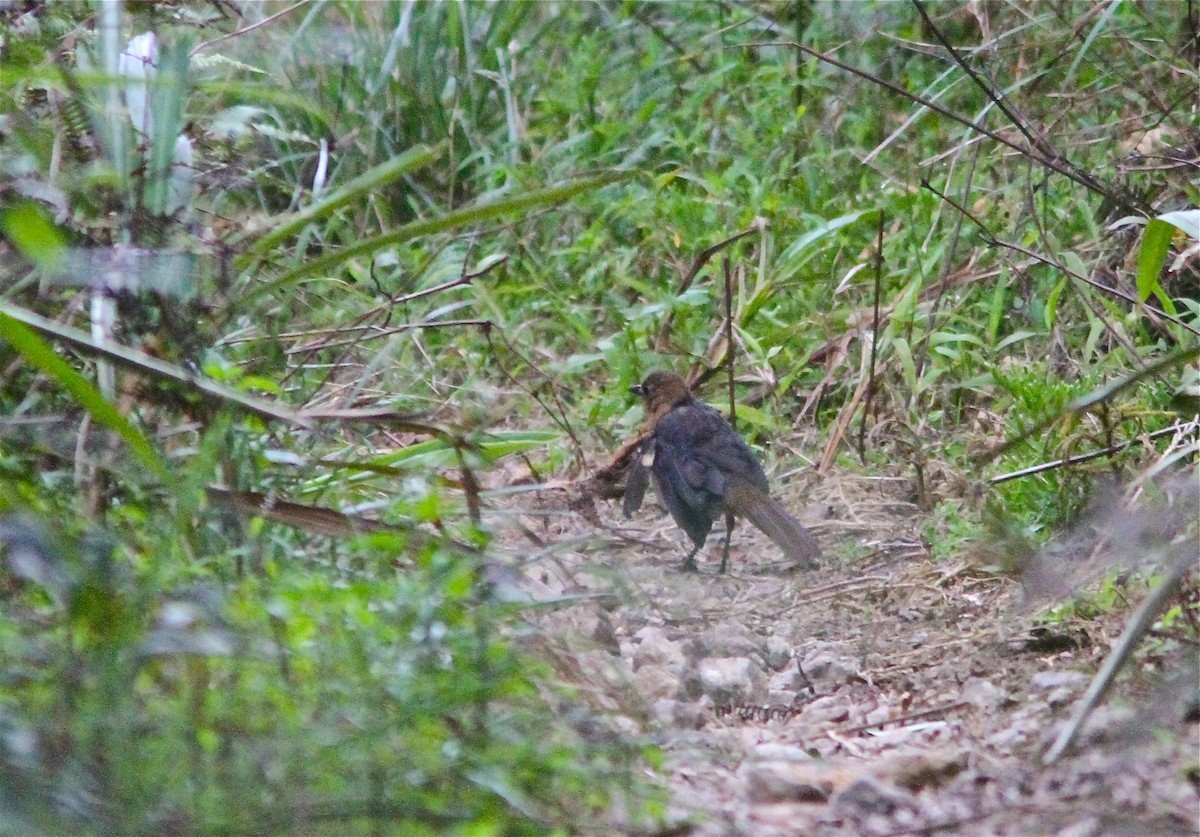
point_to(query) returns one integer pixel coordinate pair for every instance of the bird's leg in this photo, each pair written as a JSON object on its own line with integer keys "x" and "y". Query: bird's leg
{"x": 728, "y": 538}
{"x": 689, "y": 563}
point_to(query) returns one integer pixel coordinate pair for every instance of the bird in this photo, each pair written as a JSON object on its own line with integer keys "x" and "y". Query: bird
{"x": 701, "y": 469}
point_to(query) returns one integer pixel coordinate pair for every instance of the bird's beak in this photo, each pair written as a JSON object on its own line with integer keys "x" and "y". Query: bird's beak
{"x": 638, "y": 389}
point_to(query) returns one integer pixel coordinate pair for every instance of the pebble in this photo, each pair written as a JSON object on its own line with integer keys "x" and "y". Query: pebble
{"x": 1044, "y": 681}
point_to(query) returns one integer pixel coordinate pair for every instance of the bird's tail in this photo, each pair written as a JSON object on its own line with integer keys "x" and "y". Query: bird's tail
{"x": 797, "y": 543}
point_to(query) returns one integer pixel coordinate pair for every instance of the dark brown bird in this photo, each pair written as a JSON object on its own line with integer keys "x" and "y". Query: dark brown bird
{"x": 702, "y": 469}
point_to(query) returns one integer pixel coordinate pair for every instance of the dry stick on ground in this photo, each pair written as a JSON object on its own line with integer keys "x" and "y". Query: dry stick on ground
{"x": 1138, "y": 625}
{"x": 1088, "y": 457}
{"x": 317, "y": 520}
{"x": 911, "y": 716}
{"x": 847, "y": 413}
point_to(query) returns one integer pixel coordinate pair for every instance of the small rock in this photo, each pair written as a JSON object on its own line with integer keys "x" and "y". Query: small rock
{"x": 654, "y": 648}
{"x": 919, "y": 770}
{"x": 1046, "y": 680}
{"x": 729, "y": 641}
{"x": 587, "y": 582}
{"x": 663, "y": 711}
{"x": 1101, "y": 726}
{"x": 779, "y": 752}
{"x": 867, "y": 797}
{"x": 673, "y": 713}
{"x": 823, "y": 746}
{"x": 786, "y": 781}
{"x": 826, "y": 710}
{"x": 788, "y": 680}
{"x": 731, "y": 680}
{"x": 778, "y": 653}
{"x": 691, "y": 715}
{"x": 1014, "y": 735}
{"x": 543, "y": 586}
{"x": 625, "y": 725}
{"x": 781, "y": 697}
{"x": 829, "y": 667}
{"x": 983, "y": 694}
{"x": 878, "y": 715}
{"x": 655, "y": 682}
{"x": 1088, "y": 827}
{"x": 1060, "y": 697}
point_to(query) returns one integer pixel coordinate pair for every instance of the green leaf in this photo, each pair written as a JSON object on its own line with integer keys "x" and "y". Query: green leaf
{"x": 432, "y": 454}
{"x": 37, "y": 352}
{"x": 909, "y": 368}
{"x": 1186, "y": 220}
{"x": 1156, "y": 242}
{"x": 33, "y": 234}
{"x": 449, "y": 221}
{"x": 793, "y": 256}
{"x": 1052, "y": 301}
{"x": 168, "y": 93}
{"x": 369, "y": 181}
{"x": 1015, "y": 337}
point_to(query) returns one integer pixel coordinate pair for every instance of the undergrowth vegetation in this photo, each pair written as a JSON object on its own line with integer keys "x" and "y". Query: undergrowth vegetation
{"x": 268, "y": 336}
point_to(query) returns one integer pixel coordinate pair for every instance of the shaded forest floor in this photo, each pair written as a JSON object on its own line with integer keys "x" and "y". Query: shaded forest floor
{"x": 886, "y": 694}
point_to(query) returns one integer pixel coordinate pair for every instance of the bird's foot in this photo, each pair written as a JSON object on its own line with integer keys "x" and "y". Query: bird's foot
{"x": 689, "y": 565}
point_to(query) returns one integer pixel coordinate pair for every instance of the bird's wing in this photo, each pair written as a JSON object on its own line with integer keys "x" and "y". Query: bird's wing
{"x": 638, "y": 477}
{"x": 687, "y": 478}
{"x": 722, "y": 449}
{"x": 686, "y": 487}
{"x": 688, "y": 454}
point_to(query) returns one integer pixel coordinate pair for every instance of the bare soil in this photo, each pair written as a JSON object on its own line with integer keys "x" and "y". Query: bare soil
{"x": 885, "y": 693}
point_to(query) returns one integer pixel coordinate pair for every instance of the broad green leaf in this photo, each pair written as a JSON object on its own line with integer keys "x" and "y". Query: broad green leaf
{"x": 944, "y": 337}
{"x": 792, "y": 258}
{"x": 1052, "y": 301}
{"x": 432, "y": 454}
{"x": 1156, "y": 242}
{"x": 909, "y": 368}
{"x": 37, "y": 352}
{"x": 448, "y": 221}
{"x": 1186, "y": 220}
{"x": 152, "y": 366}
{"x": 1015, "y": 337}
{"x": 33, "y": 234}
{"x": 369, "y": 181}
{"x": 167, "y": 97}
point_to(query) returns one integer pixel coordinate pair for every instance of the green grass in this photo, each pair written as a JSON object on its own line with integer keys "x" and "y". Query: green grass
{"x": 514, "y": 197}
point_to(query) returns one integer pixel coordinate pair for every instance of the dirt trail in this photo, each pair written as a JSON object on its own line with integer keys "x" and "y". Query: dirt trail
{"x": 889, "y": 694}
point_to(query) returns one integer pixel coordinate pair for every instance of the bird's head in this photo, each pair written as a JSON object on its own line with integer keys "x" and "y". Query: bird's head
{"x": 662, "y": 391}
